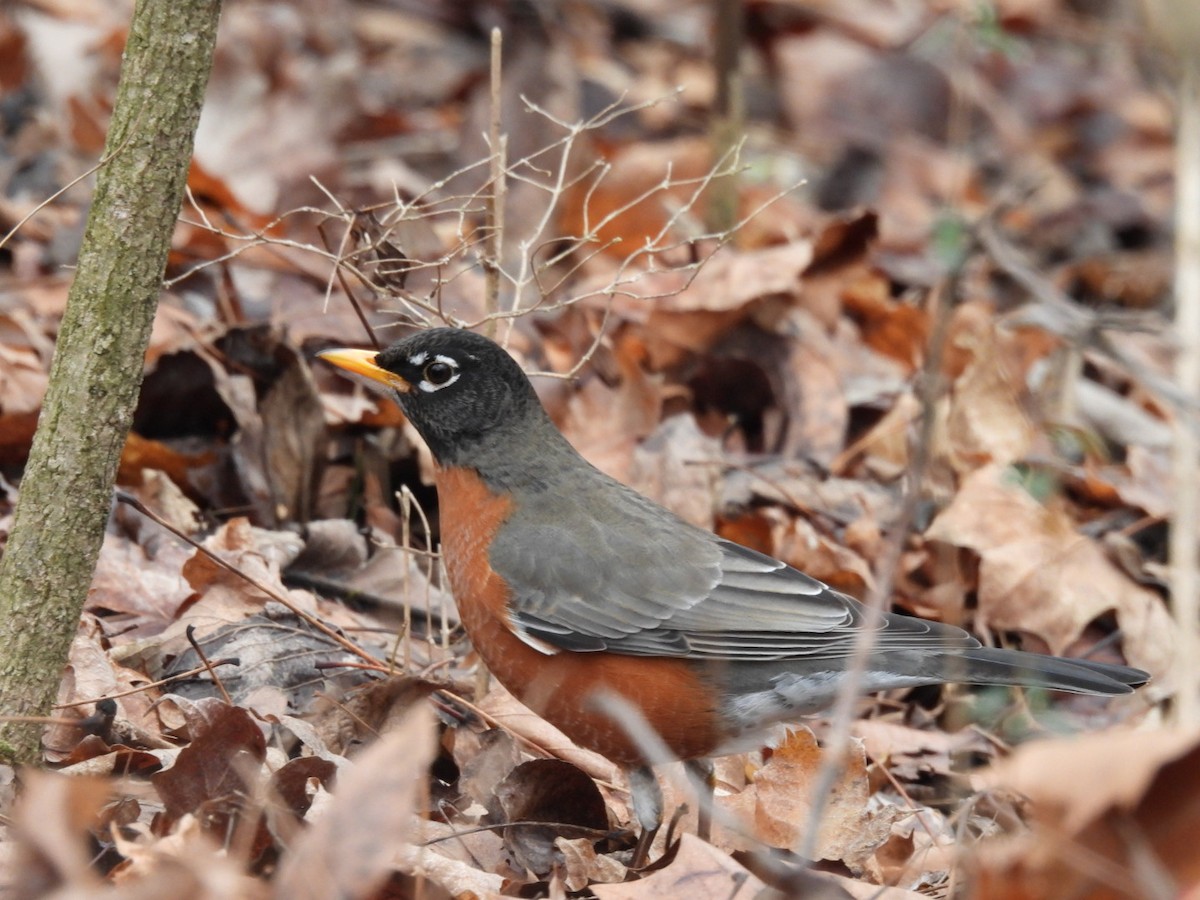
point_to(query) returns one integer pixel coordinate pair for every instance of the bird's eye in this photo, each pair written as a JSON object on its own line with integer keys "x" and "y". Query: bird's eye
{"x": 438, "y": 373}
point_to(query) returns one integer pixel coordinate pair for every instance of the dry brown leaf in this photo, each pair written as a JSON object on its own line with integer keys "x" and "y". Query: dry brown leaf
{"x": 884, "y": 450}
{"x": 461, "y": 855}
{"x": 23, "y": 381}
{"x": 547, "y": 791}
{"x": 1147, "y": 481}
{"x": 676, "y": 466}
{"x": 984, "y": 421}
{"x": 186, "y": 864}
{"x": 817, "y": 412}
{"x": 896, "y": 330}
{"x": 672, "y": 338}
{"x": 848, "y": 831}
{"x": 606, "y": 424}
{"x": 861, "y": 890}
{"x": 699, "y": 871}
{"x": 1122, "y": 824}
{"x": 1038, "y": 574}
{"x": 732, "y": 280}
{"x": 335, "y": 724}
{"x": 800, "y": 545}
{"x": 348, "y": 851}
{"x": 258, "y": 552}
{"x": 582, "y": 865}
{"x": 1108, "y": 769}
{"x": 457, "y": 877}
{"x": 215, "y": 773}
{"x": 51, "y": 822}
{"x": 679, "y": 314}
{"x": 517, "y": 718}
{"x": 148, "y": 591}
{"x": 484, "y": 760}
{"x": 293, "y": 433}
{"x": 92, "y": 673}
{"x": 912, "y": 753}
{"x": 776, "y": 808}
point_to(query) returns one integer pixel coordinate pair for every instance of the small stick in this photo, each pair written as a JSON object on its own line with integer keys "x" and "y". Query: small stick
{"x": 494, "y": 221}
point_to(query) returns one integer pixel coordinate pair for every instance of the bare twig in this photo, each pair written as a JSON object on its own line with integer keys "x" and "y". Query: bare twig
{"x": 494, "y": 223}
{"x": 190, "y": 632}
{"x": 929, "y": 387}
{"x": 1185, "y": 531}
{"x": 278, "y": 597}
{"x": 100, "y": 163}
{"x": 208, "y": 667}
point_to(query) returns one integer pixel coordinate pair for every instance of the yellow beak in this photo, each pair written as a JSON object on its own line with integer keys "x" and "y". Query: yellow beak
{"x": 361, "y": 363}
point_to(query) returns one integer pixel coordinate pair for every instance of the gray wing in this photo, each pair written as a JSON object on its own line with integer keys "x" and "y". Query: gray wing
{"x": 630, "y": 578}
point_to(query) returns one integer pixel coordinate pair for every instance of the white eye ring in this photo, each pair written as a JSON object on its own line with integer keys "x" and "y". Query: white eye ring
{"x": 440, "y": 373}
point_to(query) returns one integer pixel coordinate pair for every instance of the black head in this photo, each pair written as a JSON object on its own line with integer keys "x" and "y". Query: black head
{"x": 462, "y": 392}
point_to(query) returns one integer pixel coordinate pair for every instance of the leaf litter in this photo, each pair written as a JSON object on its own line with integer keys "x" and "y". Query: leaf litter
{"x": 222, "y": 737}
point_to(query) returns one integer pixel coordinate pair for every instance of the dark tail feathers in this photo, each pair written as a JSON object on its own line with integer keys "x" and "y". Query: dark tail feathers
{"x": 988, "y": 665}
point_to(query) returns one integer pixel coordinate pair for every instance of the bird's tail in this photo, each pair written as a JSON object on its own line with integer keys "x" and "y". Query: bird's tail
{"x": 988, "y": 665}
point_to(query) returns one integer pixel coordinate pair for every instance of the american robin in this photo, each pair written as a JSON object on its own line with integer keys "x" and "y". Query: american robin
{"x": 572, "y": 586}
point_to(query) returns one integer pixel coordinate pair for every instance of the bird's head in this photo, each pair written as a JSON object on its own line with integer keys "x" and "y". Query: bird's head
{"x": 456, "y": 387}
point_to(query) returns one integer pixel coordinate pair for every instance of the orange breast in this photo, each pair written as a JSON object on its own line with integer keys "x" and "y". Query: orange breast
{"x": 675, "y": 700}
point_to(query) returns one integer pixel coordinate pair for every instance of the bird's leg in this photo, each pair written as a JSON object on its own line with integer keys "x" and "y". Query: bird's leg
{"x": 702, "y": 773}
{"x": 647, "y": 800}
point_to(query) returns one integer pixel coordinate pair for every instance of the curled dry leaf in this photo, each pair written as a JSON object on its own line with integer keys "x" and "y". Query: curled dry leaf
{"x": 351, "y": 848}
{"x": 1039, "y": 575}
{"x": 699, "y": 871}
{"x": 582, "y": 865}
{"x": 293, "y": 434}
{"x": 214, "y": 775}
{"x": 605, "y": 423}
{"x": 22, "y": 384}
{"x": 51, "y": 823}
{"x": 681, "y": 314}
{"x": 775, "y": 809}
{"x": 892, "y": 328}
{"x": 484, "y": 761}
{"x": 141, "y": 456}
{"x": 512, "y": 715}
{"x": 913, "y": 753}
{"x": 145, "y": 591}
{"x": 732, "y": 280}
{"x": 847, "y": 831}
{"x": 550, "y": 791}
{"x": 1115, "y": 816}
{"x": 457, "y": 877}
{"x": 336, "y": 723}
{"x": 984, "y": 421}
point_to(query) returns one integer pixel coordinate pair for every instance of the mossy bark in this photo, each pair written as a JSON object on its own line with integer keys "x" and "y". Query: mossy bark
{"x": 66, "y": 491}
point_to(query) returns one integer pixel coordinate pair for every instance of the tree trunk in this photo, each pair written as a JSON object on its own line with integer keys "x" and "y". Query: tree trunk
{"x": 66, "y": 491}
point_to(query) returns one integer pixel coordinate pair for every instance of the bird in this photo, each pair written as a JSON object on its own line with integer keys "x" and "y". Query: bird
{"x": 592, "y": 604}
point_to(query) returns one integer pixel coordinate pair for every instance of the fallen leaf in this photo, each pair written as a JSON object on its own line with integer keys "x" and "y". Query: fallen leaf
{"x": 512, "y": 715}
{"x": 699, "y": 871}
{"x": 1039, "y": 575}
{"x": 676, "y": 465}
{"x": 349, "y": 850}
{"x": 1132, "y": 800}
{"x": 583, "y": 866}
{"x": 215, "y": 774}
{"x": 783, "y": 788}
{"x": 51, "y": 823}
{"x": 546, "y": 791}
